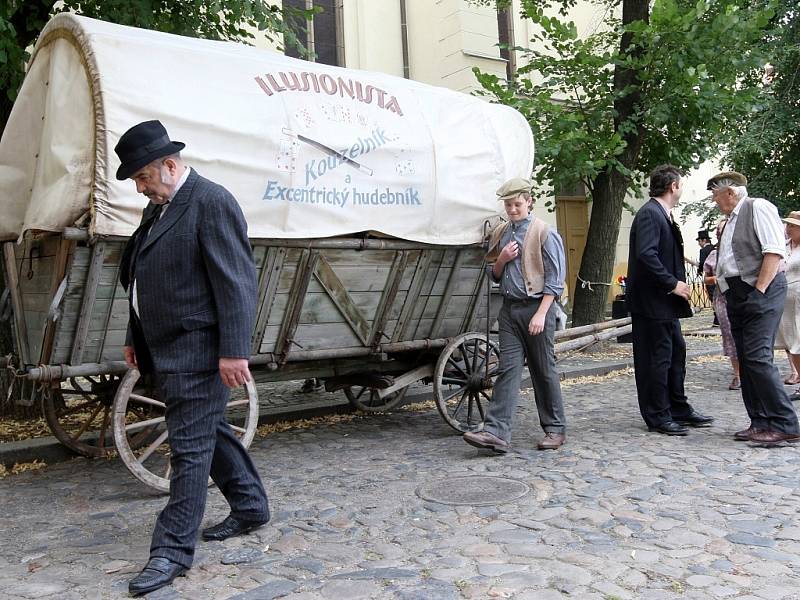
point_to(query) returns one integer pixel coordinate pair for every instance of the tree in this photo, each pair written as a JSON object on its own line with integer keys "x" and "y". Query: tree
{"x": 766, "y": 145}
{"x": 658, "y": 81}
{"x": 22, "y": 20}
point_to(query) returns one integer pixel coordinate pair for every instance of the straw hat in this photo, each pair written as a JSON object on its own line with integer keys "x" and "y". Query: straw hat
{"x": 793, "y": 218}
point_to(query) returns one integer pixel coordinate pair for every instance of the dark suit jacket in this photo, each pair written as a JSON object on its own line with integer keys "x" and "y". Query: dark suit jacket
{"x": 655, "y": 265}
{"x": 196, "y": 281}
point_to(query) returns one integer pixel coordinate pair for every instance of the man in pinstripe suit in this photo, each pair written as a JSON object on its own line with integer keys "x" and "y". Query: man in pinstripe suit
{"x": 190, "y": 276}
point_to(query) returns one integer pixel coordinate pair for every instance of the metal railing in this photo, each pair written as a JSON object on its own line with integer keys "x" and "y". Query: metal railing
{"x": 699, "y": 296}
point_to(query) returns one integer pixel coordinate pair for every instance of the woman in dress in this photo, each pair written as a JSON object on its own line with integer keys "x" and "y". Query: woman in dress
{"x": 721, "y": 311}
{"x": 788, "y": 336}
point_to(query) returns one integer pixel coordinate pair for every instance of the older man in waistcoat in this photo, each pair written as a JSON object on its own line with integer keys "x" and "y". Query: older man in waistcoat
{"x": 191, "y": 280}
{"x": 749, "y": 255}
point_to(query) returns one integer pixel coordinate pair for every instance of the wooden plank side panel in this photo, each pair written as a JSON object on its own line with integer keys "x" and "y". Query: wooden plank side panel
{"x": 12, "y": 283}
{"x": 334, "y": 287}
{"x": 66, "y": 325}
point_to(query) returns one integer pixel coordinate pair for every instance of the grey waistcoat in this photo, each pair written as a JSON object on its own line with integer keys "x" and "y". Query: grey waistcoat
{"x": 746, "y": 245}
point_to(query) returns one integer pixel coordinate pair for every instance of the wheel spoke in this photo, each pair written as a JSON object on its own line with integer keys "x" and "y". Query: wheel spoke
{"x": 168, "y": 472}
{"x": 88, "y": 422}
{"x": 143, "y": 424}
{"x": 454, "y": 394}
{"x": 460, "y": 402}
{"x": 238, "y": 403}
{"x": 483, "y": 393}
{"x": 452, "y": 361}
{"x": 480, "y": 407}
{"x": 454, "y": 380}
{"x": 474, "y": 355}
{"x": 241, "y": 430}
{"x": 101, "y": 440}
{"x": 146, "y": 400}
{"x": 469, "y": 409}
{"x": 152, "y": 448}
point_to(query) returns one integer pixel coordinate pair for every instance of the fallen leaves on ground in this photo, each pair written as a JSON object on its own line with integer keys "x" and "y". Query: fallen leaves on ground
{"x": 588, "y": 379}
{"x": 301, "y": 424}
{"x": 13, "y": 430}
{"x": 710, "y": 358}
{"x": 21, "y": 468}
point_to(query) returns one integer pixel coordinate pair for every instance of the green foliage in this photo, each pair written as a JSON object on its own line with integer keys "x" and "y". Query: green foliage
{"x": 766, "y": 145}
{"x": 236, "y": 20}
{"x": 691, "y": 63}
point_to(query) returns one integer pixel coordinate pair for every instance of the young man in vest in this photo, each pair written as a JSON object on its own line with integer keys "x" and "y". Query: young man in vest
{"x": 528, "y": 263}
{"x": 749, "y": 255}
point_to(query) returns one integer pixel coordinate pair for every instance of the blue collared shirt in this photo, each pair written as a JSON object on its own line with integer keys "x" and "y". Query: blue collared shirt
{"x": 512, "y": 282}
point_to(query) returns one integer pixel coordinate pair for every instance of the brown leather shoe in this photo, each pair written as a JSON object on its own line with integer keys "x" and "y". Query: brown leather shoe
{"x": 767, "y": 438}
{"x": 744, "y": 434}
{"x": 551, "y": 441}
{"x": 487, "y": 441}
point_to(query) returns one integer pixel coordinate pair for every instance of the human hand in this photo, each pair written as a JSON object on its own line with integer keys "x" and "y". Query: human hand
{"x": 682, "y": 289}
{"x": 509, "y": 252}
{"x": 536, "y": 326}
{"x": 130, "y": 357}
{"x": 234, "y": 371}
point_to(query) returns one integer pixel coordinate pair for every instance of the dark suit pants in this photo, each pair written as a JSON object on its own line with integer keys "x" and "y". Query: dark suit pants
{"x": 754, "y": 322}
{"x": 659, "y": 360}
{"x": 516, "y": 345}
{"x": 202, "y": 444}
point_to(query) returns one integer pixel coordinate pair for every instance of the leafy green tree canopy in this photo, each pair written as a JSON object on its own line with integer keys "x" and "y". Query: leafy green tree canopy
{"x": 237, "y": 20}
{"x": 651, "y": 82}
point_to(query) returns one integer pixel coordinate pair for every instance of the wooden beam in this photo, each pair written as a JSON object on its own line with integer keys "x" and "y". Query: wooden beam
{"x": 334, "y": 287}
{"x": 391, "y": 288}
{"x": 413, "y": 295}
{"x": 59, "y": 273}
{"x": 448, "y": 292}
{"x": 297, "y": 295}
{"x": 478, "y": 294}
{"x": 12, "y": 284}
{"x": 267, "y": 287}
{"x": 87, "y": 305}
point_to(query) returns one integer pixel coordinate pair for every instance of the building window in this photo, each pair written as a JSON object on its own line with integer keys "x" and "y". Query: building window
{"x": 505, "y": 36}
{"x": 322, "y": 35}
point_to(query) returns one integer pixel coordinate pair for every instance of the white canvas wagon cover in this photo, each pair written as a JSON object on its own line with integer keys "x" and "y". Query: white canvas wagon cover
{"x": 308, "y": 150}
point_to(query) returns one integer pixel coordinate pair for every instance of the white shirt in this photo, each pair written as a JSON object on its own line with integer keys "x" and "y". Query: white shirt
{"x": 769, "y": 230}
{"x": 181, "y": 181}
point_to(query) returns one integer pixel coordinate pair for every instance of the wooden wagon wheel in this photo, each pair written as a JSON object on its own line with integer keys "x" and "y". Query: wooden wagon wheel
{"x": 150, "y": 464}
{"x": 80, "y": 415}
{"x": 461, "y": 384}
{"x": 368, "y": 399}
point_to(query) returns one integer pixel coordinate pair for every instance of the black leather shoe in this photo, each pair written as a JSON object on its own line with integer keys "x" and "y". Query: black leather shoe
{"x": 695, "y": 419}
{"x": 670, "y": 428}
{"x": 230, "y": 527}
{"x": 156, "y": 574}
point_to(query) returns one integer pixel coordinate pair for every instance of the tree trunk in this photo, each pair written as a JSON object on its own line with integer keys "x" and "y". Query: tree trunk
{"x": 610, "y": 187}
{"x": 597, "y": 265}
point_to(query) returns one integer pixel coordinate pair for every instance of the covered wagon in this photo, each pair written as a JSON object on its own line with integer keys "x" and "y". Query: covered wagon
{"x": 366, "y": 196}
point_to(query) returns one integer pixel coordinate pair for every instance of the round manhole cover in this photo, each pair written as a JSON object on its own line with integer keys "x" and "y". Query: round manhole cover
{"x": 473, "y": 491}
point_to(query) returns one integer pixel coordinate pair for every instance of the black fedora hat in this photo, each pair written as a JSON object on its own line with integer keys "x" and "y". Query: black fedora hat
{"x": 141, "y": 145}
{"x": 703, "y": 235}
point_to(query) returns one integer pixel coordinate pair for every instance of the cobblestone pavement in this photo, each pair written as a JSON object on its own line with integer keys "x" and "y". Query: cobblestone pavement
{"x": 616, "y": 513}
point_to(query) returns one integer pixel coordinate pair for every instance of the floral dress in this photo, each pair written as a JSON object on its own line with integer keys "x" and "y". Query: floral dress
{"x": 721, "y": 309}
{"x": 789, "y": 330}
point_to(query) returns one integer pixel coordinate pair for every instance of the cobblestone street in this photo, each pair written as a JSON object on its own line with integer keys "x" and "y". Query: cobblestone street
{"x": 616, "y": 513}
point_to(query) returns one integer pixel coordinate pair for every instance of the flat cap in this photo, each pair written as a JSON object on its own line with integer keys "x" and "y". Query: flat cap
{"x": 737, "y": 178}
{"x": 513, "y": 188}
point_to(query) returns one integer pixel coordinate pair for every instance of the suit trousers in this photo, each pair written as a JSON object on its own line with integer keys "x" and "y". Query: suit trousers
{"x": 517, "y": 345}
{"x": 754, "y": 321}
{"x": 202, "y": 444}
{"x": 659, "y": 361}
